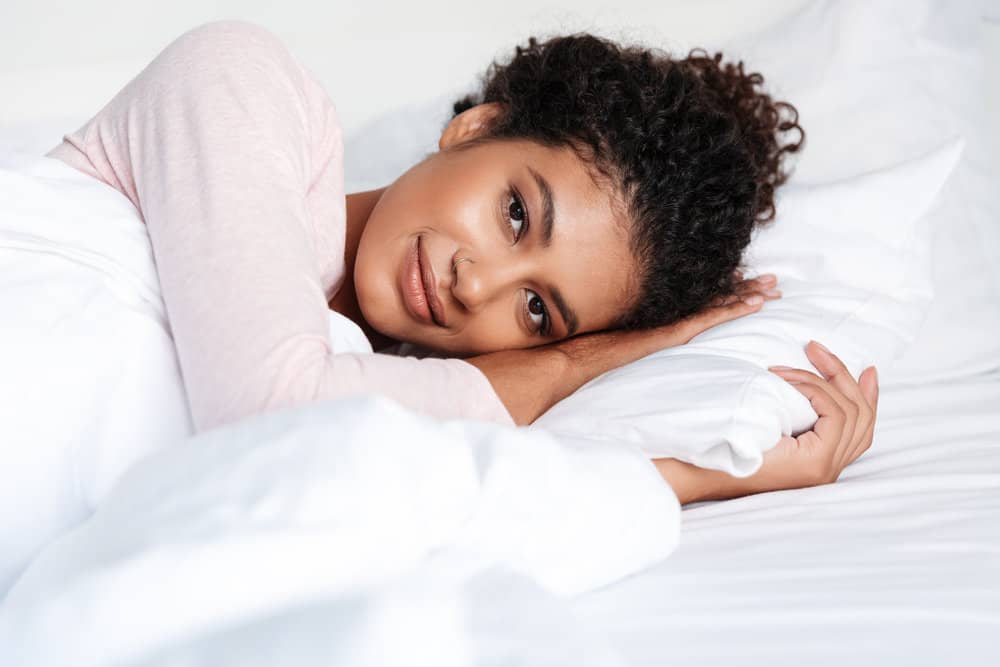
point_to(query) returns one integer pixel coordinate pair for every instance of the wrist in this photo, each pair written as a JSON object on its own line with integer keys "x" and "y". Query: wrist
{"x": 528, "y": 381}
{"x": 589, "y": 355}
{"x": 688, "y": 485}
{"x": 693, "y": 484}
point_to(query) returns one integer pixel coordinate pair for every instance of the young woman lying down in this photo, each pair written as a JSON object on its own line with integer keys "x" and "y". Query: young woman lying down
{"x": 589, "y": 206}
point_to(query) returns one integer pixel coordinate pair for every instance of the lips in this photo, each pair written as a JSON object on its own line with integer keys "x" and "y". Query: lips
{"x": 415, "y": 276}
{"x": 430, "y": 286}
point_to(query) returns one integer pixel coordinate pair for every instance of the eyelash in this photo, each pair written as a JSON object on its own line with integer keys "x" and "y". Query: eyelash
{"x": 546, "y": 325}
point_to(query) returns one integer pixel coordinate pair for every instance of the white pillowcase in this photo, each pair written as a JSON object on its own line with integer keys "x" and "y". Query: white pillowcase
{"x": 877, "y": 81}
{"x": 852, "y": 257}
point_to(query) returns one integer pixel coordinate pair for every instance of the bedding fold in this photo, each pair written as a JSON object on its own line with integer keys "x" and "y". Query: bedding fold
{"x": 344, "y": 504}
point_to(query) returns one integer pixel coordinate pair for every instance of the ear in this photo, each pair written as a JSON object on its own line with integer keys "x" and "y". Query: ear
{"x": 469, "y": 124}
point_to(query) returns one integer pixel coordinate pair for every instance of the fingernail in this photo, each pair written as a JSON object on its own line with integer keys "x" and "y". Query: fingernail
{"x": 875, "y": 371}
{"x": 755, "y": 299}
{"x": 772, "y": 292}
{"x": 779, "y": 368}
{"x": 821, "y": 346}
{"x": 768, "y": 277}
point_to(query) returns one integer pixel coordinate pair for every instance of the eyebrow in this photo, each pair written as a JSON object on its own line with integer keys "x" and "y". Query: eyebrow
{"x": 548, "y": 222}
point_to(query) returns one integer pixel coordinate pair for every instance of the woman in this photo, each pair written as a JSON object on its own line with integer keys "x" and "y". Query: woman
{"x": 591, "y": 209}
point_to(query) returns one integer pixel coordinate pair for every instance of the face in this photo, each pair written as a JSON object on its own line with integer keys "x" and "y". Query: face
{"x": 512, "y": 289}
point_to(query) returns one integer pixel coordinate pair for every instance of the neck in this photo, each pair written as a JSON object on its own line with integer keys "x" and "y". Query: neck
{"x": 345, "y": 301}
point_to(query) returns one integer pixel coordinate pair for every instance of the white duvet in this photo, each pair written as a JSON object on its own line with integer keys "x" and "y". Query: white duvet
{"x": 349, "y": 532}
{"x": 346, "y": 532}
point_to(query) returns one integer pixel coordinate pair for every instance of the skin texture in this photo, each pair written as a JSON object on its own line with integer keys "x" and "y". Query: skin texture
{"x": 458, "y": 203}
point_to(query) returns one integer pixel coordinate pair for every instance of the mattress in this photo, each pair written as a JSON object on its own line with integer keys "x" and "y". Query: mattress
{"x": 898, "y": 562}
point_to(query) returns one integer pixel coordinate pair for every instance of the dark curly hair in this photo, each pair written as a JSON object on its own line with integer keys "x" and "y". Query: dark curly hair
{"x": 692, "y": 147}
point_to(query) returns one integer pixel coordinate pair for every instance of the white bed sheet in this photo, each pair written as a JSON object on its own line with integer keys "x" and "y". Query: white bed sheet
{"x": 897, "y": 563}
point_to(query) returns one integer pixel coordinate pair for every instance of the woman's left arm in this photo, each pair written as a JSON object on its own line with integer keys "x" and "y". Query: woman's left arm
{"x": 845, "y": 430}
{"x": 232, "y": 153}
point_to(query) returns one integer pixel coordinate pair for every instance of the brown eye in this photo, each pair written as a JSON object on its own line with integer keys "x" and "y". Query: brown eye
{"x": 537, "y": 307}
{"x": 516, "y": 213}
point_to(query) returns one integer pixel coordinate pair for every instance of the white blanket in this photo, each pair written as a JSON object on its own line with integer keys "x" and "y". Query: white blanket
{"x": 91, "y": 381}
{"x": 352, "y": 532}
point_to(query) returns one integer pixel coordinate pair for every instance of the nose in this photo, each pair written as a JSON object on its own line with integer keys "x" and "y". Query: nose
{"x": 479, "y": 281}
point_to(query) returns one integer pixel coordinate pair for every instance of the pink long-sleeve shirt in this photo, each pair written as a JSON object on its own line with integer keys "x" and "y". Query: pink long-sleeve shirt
{"x": 232, "y": 153}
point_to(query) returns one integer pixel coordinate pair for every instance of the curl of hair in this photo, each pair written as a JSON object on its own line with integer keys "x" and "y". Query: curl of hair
{"x": 692, "y": 148}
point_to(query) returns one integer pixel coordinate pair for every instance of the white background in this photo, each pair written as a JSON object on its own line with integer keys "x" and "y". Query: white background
{"x": 63, "y": 59}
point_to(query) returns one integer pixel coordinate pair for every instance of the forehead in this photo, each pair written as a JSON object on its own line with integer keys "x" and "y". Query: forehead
{"x": 591, "y": 263}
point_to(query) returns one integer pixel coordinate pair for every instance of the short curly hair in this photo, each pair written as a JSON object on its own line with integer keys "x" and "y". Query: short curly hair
{"x": 693, "y": 147}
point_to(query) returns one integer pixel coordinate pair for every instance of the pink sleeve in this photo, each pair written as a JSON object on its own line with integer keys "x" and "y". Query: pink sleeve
{"x": 217, "y": 142}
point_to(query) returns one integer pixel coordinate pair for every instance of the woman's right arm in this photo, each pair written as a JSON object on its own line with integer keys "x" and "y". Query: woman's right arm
{"x": 530, "y": 381}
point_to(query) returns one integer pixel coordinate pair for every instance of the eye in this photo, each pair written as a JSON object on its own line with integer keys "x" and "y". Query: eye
{"x": 516, "y": 213}
{"x": 535, "y": 307}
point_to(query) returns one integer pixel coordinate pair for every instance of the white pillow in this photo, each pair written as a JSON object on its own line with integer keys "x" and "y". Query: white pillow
{"x": 877, "y": 81}
{"x": 852, "y": 257}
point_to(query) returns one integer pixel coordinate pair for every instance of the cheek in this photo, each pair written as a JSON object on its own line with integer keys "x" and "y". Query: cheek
{"x": 375, "y": 276}
{"x": 489, "y": 331}
{"x": 482, "y": 334}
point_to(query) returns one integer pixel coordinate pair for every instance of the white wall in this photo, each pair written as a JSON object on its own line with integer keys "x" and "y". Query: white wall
{"x": 69, "y": 58}
{"x": 63, "y": 59}
{"x": 992, "y": 32}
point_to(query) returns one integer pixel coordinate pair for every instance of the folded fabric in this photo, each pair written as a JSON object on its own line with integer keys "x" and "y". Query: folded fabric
{"x": 877, "y": 81}
{"x": 343, "y": 504}
{"x": 91, "y": 380}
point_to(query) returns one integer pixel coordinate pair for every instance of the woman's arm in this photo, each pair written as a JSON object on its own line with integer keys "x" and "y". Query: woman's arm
{"x": 844, "y": 430}
{"x": 232, "y": 154}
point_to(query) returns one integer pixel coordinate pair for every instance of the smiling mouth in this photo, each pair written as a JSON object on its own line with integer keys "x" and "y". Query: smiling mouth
{"x": 428, "y": 282}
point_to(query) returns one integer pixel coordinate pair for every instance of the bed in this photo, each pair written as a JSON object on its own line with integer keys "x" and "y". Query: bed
{"x": 896, "y": 563}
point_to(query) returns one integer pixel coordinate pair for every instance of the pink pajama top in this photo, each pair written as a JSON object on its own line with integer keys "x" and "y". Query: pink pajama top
{"x": 232, "y": 153}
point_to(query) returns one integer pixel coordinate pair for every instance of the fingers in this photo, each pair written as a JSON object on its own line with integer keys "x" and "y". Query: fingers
{"x": 868, "y": 383}
{"x": 848, "y": 393}
{"x": 869, "y": 386}
{"x": 733, "y": 309}
{"x": 839, "y": 375}
{"x": 831, "y": 428}
{"x": 858, "y": 400}
{"x": 850, "y": 408}
{"x": 834, "y": 371}
{"x": 763, "y": 285}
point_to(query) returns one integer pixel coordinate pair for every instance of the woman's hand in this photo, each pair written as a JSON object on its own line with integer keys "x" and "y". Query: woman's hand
{"x": 844, "y": 430}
